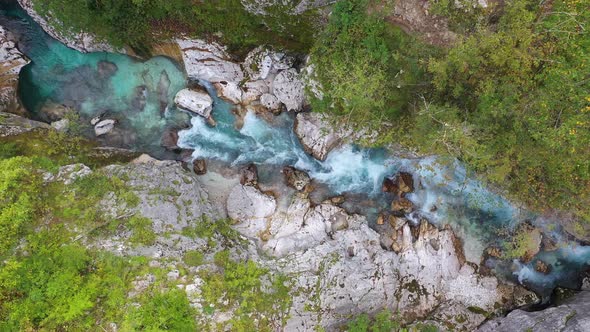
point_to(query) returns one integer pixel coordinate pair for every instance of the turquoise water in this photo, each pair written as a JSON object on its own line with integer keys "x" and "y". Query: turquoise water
{"x": 140, "y": 96}
{"x": 445, "y": 192}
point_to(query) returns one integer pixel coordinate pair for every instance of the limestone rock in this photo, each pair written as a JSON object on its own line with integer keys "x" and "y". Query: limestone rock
{"x": 11, "y": 62}
{"x": 230, "y": 91}
{"x": 196, "y": 102}
{"x": 61, "y": 125}
{"x": 69, "y": 173}
{"x": 262, "y": 62}
{"x": 11, "y": 124}
{"x": 572, "y": 316}
{"x": 289, "y": 90}
{"x": 104, "y": 127}
{"x": 208, "y": 61}
{"x": 162, "y": 187}
{"x": 270, "y": 101}
{"x": 315, "y": 134}
{"x": 253, "y": 90}
{"x": 250, "y": 208}
{"x": 81, "y": 41}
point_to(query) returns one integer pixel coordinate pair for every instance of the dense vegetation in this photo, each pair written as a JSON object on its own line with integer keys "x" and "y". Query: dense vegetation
{"x": 134, "y": 22}
{"x": 510, "y": 98}
{"x": 51, "y": 279}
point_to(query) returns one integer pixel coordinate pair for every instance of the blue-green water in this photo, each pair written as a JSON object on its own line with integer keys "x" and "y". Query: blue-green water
{"x": 139, "y": 96}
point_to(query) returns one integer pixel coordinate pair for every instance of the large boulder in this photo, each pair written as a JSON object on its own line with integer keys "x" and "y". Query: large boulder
{"x": 11, "y": 62}
{"x": 399, "y": 185}
{"x": 295, "y": 178}
{"x": 316, "y": 134}
{"x": 197, "y": 102}
{"x": 573, "y": 315}
{"x": 289, "y": 89}
{"x": 81, "y": 41}
{"x": 209, "y": 62}
{"x": 104, "y": 127}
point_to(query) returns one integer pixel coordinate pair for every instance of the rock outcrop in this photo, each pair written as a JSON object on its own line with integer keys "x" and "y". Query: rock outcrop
{"x": 289, "y": 89}
{"x": 11, "y": 124}
{"x": 336, "y": 262}
{"x": 197, "y": 102}
{"x": 266, "y": 78}
{"x": 11, "y": 62}
{"x": 104, "y": 127}
{"x": 250, "y": 208}
{"x": 81, "y": 41}
{"x": 571, "y": 316}
{"x": 315, "y": 134}
{"x": 208, "y": 61}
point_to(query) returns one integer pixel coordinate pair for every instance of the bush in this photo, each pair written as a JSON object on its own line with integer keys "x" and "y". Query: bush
{"x": 367, "y": 69}
{"x": 168, "y": 311}
{"x": 262, "y": 299}
{"x": 193, "y": 258}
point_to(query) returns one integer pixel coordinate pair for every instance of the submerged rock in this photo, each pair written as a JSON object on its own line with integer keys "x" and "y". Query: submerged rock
{"x": 402, "y": 205}
{"x": 197, "y": 102}
{"x": 169, "y": 139}
{"x": 51, "y": 112}
{"x": 542, "y": 267}
{"x": 11, "y": 62}
{"x": 316, "y": 134}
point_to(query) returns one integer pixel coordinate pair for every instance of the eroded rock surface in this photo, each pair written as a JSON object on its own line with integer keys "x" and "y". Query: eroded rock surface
{"x": 571, "y": 316}
{"x": 197, "y": 102}
{"x": 289, "y": 89}
{"x": 11, "y": 124}
{"x": 11, "y": 62}
{"x": 208, "y": 61}
{"x": 316, "y": 135}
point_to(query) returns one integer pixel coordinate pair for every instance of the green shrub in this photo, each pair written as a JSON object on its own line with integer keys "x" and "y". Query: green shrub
{"x": 367, "y": 68}
{"x": 168, "y": 311}
{"x": 262, "y": 299}
{"x": 193, "y": 258}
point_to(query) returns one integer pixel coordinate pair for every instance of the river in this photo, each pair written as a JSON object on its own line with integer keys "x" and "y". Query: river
{"x": 139, "y": 95}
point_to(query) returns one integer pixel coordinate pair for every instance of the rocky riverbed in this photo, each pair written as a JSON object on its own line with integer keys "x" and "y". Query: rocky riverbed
{"x": 340, "y": 266}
